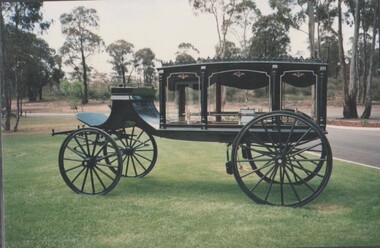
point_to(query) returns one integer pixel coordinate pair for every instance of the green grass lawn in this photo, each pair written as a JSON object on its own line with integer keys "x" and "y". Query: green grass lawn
{"x": 186, "y": 201}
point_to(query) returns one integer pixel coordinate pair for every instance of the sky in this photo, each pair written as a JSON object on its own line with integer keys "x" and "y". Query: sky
{"x": 160, "y": 25}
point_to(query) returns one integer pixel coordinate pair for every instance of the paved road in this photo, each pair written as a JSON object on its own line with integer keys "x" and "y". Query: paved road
{"x": 361, "y": 145}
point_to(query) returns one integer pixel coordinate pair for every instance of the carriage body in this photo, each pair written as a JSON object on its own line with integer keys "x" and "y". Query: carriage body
{"x": 244, "y": 104}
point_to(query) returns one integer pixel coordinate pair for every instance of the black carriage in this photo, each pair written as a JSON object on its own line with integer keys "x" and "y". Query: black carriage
{"x": 276, "y": 144}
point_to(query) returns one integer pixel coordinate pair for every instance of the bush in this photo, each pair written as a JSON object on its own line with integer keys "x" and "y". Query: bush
{"x": 99, "y": 93}
{"x": 74, "y": 90}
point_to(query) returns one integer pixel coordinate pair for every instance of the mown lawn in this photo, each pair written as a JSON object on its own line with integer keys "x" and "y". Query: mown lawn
{"x": 186, "y": 201}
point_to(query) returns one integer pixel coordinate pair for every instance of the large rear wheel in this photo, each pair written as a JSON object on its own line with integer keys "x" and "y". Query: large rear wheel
{"x": 281, "y": 158}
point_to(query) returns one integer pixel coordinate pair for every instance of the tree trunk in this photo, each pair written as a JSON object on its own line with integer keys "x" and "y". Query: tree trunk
{"x": 311, "y": 24}
{"x": 8, "y": 105}
{"x": 40, "y": 93}
{"x": 350, "y": 104}
{"x": 85, "y": 88}
{"x": 5, "y": 85}
{"x": 2, "y": 82}
{"x": 342, "y": 60}
{"x": 368, "y": 96}
{"x": 363, "y": 65}
{"x": 123, "y": 73}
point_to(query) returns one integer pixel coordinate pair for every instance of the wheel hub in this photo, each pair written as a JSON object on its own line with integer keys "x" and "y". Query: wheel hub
{"x": 128, "y": 151}
{"x": 90, "y": 162}
{"x": 280, "y": 159}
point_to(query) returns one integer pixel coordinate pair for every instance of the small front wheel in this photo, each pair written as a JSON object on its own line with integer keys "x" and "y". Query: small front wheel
{"x": 90, "y": 161}
{"x": 138, "y": 150}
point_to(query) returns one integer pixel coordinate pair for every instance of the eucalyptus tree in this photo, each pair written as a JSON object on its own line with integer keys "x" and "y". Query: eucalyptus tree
{"x": 81, "y": 42}
{"x": 371, "y": 21}
{"x": 329, "y": 52}
{"x": 122, "y": 56}
{"x": 183, "y": 55}
{"x": 350, "y": 109}
{"x": 227, "y": 14}
{"x": 19, "y": 17}
{"x": 144, "y": 61}
{"x": 270, "y": 37}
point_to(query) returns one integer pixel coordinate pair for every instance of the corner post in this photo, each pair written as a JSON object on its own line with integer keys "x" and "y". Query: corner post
{"x": 204, "y": 84}
{"x": 162, "y": 91}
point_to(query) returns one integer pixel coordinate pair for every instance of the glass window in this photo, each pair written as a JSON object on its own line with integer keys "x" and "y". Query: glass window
{"x": 237, "y": 96}
{"x": 183, "y": 99}
{"x": 297, "y": 91}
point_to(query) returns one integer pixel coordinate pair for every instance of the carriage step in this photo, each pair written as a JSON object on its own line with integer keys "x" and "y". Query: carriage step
{"x": 229, "y": 168}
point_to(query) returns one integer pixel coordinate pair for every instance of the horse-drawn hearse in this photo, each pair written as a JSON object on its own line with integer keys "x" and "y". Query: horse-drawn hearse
{"x": 276, "y": 145}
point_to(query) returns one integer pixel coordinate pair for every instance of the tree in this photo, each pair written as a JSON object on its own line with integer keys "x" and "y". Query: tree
{"x": 121, "y": 53}
{"x": 270, "y": 38}
{"x": 183, "y": 55}
{"x": 2, "y": 80}
{"x": 81, "y": 42}
{"x": 329, "y": 52}
{"x": 247, "y": 14}
{"x": 231, "y": 52}
{"x": 144, "y": 61}
{"x": 294, "y": 12}
{"x": 333, "y": 12}
{"x": 350, "y": 110}
{"x": 20, "y": 16}
{"x": 226, "y": 14}
{"x": 374, "y": 13}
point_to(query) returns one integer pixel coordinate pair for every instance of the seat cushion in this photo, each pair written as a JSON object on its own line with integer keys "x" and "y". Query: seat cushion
{"x": 92, "y": 119}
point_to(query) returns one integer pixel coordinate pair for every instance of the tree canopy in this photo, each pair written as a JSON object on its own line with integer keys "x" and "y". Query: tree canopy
{"x": 81, "y": 42}
{"x": 121, "y": 53}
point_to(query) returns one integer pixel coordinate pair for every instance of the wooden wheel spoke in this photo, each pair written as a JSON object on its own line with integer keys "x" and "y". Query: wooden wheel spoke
{"x": 259, "y": 141}
{"x": 258, "y": 169}
{"x": 273, "y": 175}
{"x": 262, "y": 178}
{"x": 76, "y": 177}
{"x": 104, "y": 173}
{"x": 301, "y": 179}
{"x": 85, "y": 179}
{"x": 300, "y": 139}
{"x": 99, "y": 179}
{"x": 307, "y": 171}
{"x": 73, "y": 168}
{"x": 292, "y": 186}
{"x": 268, "y": 133}
{"x": 81, "y": 146}
{"x": 82, "y": 155}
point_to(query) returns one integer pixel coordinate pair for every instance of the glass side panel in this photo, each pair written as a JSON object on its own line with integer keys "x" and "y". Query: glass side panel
{"x": 235, "y": 106}
{"x": 183, "y": 103}
{"x": 297, "y": 89}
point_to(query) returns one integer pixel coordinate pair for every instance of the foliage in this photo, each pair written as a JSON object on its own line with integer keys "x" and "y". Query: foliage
{"x": 230, "y": 50}
{"x": 187, "y": 200}
{"x": 74, "y": 90}
{"x": 145, "y": 64}
{"x": 183, "y": 55}
{"x": 34, "y": 65}
{"x": 99, "y": 87}
{"x": 27, "y": 63}
{"x": 270, "y": 38}
{"x": 121, "y": 53}
{"x": 81, "y": 42}
{"x": 226, "y": 15}
{"x": 329, "y": 52}
{"x": 25, "y": 15}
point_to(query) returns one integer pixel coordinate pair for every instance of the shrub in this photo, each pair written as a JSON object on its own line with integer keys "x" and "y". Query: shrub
{"x": 74, "y": 90}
